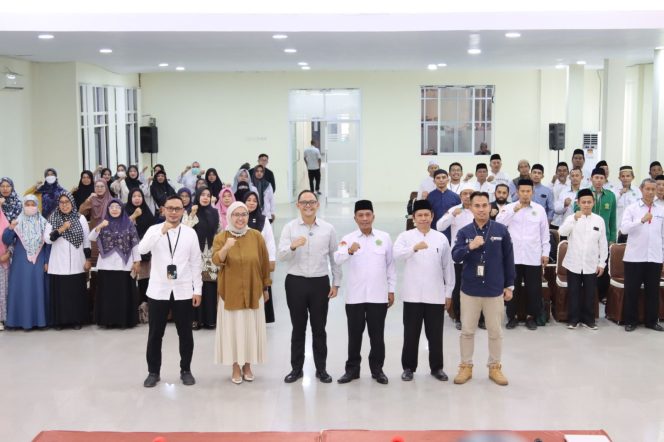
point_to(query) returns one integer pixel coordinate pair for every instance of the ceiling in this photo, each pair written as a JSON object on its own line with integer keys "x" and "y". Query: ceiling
{"x": 212, "y": 43}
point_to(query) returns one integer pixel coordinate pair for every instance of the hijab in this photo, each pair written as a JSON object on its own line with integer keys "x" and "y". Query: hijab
{"x": 82, "y": 192}
{"x": 229, "y": 220}
{"x": 160, "y": 191}
{"x": 236, "y": 179}
{"x": 50, "y": 193}
{"x": 216, "y": 186}
{"x": 30, "y": 230}
{"x": 133, "y": 183}
{"x": 186, "y": 190}
{"x": 223, "y": 209}
{"x": 119, "y": 236}
{"x": 146, "y": 219}
{"x": 208, "y": 221}
{"x": 12, "y": 206}
{"x": 256, "y": 218}
{"x": 261, "y": 186}
{"x": 3, "y": 248}
{"x": 100, "y": 204}
{"x": 73, "y": 235}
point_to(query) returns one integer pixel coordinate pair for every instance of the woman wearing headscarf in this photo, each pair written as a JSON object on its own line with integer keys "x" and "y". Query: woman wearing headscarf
{"x": 94, "y": 207}
{"x": 160, "y": 190}
{"x": 242, "y": 256}
{"x": 124, "y": 184}
{"x": 242, "y": 184}
{"x": 49, "y": 191}
{"x": 117, "y": 239}
{"x": 259, "y": 222}
{"x": 27, "y": 297}
{"x": 139, "y": 213}
{"x": 189, "y": 214}
{"x": 226, "y": 198}
{"x": 206, "y": 227}
{"x": 84, "y": 189}
{"x": 5, "y": 257}
{"x": 9, "y": 200}
{"x": 213, "y": 183}
{"x": 264, "y": 191}
{"x": 67, "y": 231}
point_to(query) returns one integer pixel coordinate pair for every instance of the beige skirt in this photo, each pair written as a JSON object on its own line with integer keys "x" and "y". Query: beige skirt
{"x": 240, "y": 336}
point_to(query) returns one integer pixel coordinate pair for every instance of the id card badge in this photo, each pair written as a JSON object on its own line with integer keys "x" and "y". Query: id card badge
{"x": 172, "y": 271}
{"x": 480, "y": 271}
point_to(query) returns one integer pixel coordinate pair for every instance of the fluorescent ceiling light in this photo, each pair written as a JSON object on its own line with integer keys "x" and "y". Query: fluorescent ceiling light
{"x": 179, "y": 68}
{"x": 432, "y": 67}
{"x": 442, "y": 65}
{"x": 163, "y": 65}
{"x": 560, "y": 66}
{"x": 474, "y": 51}
{"x": 280, "y": 36}
{"x": 512, "y": 35}
{"x": 306, "y": 68}
{"x": 290, "y": 50}
{"x": 106, "y": 51}
{"x": 45, "y": 37}
{"x": 303, "y": 63}
{"x": 581, "y": 62}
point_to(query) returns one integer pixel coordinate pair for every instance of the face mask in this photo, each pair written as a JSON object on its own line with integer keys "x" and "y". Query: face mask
{"x": 122, "y": 174}
{"x": 30, "y": 211}
{"x": 195, "y": 170}
{"x": 51, "y": 179}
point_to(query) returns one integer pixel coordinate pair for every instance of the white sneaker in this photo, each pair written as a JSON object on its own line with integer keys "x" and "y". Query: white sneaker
{"x": 2, "y": 326}
{"x": 572, "y": 326}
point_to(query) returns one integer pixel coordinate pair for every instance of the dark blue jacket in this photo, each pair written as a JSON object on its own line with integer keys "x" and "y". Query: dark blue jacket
{"x": 441, "y": 202}
{"x": 498, "y": 260}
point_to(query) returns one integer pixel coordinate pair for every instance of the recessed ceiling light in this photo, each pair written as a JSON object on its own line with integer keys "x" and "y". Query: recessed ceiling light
{"x": 659, "y": 48}
{"x": 306, "y": 68}
{"x": 442, "y": 65}
{"x": 512, "y": 35}
{"x": 163, "y": 65}
{"x": 45, "y": 37}
{"x": 581, "y": 62}
{"x": 432, "y": 67}
{"x": 290, "y": 50}
{"x": 106, "y": 51}
{"x": 560, "y": 66}
{"x": 303, "y": 63}
{"x": 474, "y": 51}
{"x": 179, "y": 68}
{"x": 280, "y": 36}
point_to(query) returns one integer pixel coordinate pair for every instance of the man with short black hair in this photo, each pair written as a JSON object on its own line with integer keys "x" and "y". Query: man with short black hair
{"x": 579, "y": 160}
{"x": 441, "y": 199}
{"x": 542, "y": 195}
{"x": 626, "y": 195}
{"x": 659, "y": 191}
{"x": 456, "y": 172}
{"x": 501, "y": 196}
{"x": 655, "y": 169}
{"x": 312, "y": 158}
{"x": 560, "y": 182}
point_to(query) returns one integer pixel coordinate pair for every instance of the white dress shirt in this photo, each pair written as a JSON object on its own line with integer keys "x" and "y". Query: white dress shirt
{"x": 562, "y": 212}
{"x": 428, "y": 275}
{"x": 311, "y": 259}
{"x": 370, "y": 273}
{"x": 269, "y": 206}
{"x": 66, "y": 259}
{"x": 500, "y": 178}
{"x": 188, "y": 180}
{"x": 427, "y": 185}
{"x": 456, "y": 188}
{"x": 312, "y": 157}
{"x": 487, "y": 187}
{"x": 114, "y": 261}
{"x": 456, "y": 222}
{"x": 624, "y": 199}
{"x": 268, "y": 237}
{"x": 644, "y": 240}
{"x": 529, "y": 229}
{"x": 186, "y": 256}
{"x": 557, "y": 187}
{"x": 587, "y": 248}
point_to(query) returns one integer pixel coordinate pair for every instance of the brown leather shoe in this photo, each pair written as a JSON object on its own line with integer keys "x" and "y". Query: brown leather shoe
{"x": 465, "y": 374}
{"x": 496, "y": 375}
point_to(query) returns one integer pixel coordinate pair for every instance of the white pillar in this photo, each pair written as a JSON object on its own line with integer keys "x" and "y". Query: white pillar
{"x": 613, "y": 113}
{"x": 575, "y": 99}
{"x": 657, "y": 129}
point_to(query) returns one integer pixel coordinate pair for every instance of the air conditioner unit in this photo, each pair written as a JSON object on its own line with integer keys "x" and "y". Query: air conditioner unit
{"x": 12, "y": 81}
{"x": 592, "y": 140}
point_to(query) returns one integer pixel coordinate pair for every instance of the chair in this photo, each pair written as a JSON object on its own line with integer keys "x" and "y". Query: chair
{"x": 616, "y": 293}
{"x": 410, "y": 224}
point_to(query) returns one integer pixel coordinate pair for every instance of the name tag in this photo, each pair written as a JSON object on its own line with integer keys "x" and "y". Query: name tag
{"x": 543, "y": 195}
{"x": 496, "y": 238}
{"x": 596, "y": 228}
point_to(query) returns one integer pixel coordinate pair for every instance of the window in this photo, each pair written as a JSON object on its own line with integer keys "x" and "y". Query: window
{"x": 109, "y": 126}
{"x": 456, "y": 119}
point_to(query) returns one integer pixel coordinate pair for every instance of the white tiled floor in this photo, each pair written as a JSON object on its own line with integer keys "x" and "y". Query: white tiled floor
{"x": 559, "y": 379}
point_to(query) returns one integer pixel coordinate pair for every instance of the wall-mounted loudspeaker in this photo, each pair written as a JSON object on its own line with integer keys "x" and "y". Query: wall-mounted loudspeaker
{"x": 556, "y": 136}
{"x": 149, "y": 139}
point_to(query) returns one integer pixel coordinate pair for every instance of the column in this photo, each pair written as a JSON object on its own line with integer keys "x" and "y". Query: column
{"x": 575, "y": 99}
{"x": 613, "y": 113}
{"x": 657, "y": 129}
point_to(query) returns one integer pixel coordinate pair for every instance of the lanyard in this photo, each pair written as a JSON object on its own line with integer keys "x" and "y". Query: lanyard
{"x": 484, "y": 237}
{"x": 170, "y": 248}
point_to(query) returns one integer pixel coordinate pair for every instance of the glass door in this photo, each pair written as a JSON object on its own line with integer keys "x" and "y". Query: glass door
{"x": 340, "y": 148}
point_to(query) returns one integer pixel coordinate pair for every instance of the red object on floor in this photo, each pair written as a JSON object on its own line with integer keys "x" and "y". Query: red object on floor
{"x": 108, "y": 436}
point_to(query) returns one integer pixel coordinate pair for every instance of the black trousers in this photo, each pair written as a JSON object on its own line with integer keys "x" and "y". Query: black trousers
{"x": 183, "y": 314}
{"x": 603, "y": 282}
{"x": 531, "y": 276}
{"x": 456, "y": 291}
{"x": 314, "y": 175}
{"x": 307, "y": 298}
{"x": 433, "y": 315}
{"x": 373, "y": 315}
{"x": 580, "y": 297}
{"x": 648, "y": 274}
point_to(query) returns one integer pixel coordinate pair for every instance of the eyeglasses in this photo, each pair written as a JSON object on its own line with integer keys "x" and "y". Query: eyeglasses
{"x": 65, "y": 203}
{"x": 173, "y": 209}
{"x": 309, "y": 203}
{"x": 240, "y": 215}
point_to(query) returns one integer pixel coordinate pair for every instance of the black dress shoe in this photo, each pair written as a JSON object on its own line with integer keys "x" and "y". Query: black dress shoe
{"x": 512, "y": 323}
{"x": 187, "y": 378}
{"x": 151, "y": 380}
{"x": 380, "y": 377}
{"x": 407, "y": 375}
{"x": 439, "y": 374}
{"x": 630, "y": 327}
{"x": 324, "y": 377}
{"x": 655, "y": 327}
{"x": 293, "y": 376}
{"x": 481, "y": 324}
{"x": 347, "y": 377}
{"x": 531, "y": 324}
{"x": 457, "y": 324}
{"x": 77, "y": 326}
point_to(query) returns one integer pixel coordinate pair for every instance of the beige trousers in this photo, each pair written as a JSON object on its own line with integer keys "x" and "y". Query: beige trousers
{"x": 471, "y": 308}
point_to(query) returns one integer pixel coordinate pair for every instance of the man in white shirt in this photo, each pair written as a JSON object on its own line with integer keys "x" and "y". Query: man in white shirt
{"x": 607, "y": 185}
{"x": 307, "y": 245}
{"x": 626, "y": 195}
{"x": 655, "y": 169}
{"x": 558, "y": 184}
{"x": 564, "y": 205}
{"x": 456, "y": 172}
{"x": 427, "y": 184}
{"x": 428, "y": 279}
{"x": 482, "y": 185}
{"x": 175, "y": 285}
{"x": 643, "y": 223}
{"x": 312, "y": 158}
{"x": 585, "y": 260}
{"x": 497, "y": 176}
{"x": 528, "y": 226}
{"x": 369, "y": 285}
{"x": 659, "y": 191}
{"x": 190, "y": 175}
{"x": 579, "y": 160}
